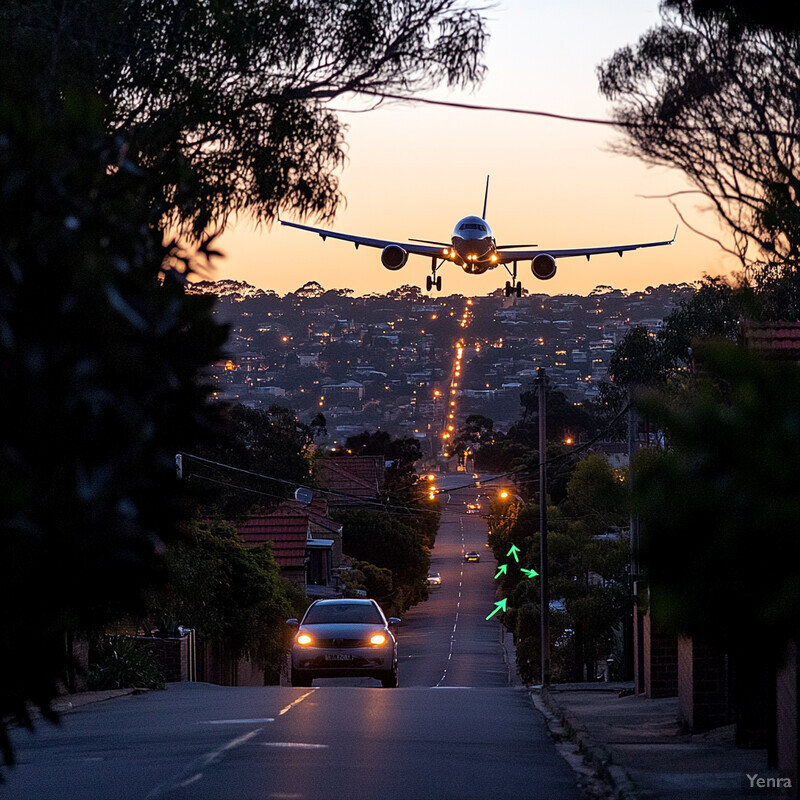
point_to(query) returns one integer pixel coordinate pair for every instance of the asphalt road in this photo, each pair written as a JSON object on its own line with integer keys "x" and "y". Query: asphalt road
{"x": 455, "y": 729}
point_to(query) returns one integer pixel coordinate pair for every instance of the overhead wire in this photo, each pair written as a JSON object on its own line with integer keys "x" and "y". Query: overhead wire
{"x": 386, "y": 506}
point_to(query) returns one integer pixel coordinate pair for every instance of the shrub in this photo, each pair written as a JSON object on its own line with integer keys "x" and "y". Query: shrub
{"x": 120, "y": 662}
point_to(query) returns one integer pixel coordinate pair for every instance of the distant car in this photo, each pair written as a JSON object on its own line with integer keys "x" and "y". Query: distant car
{"x": 477, "y": 479}
{"x": 434, "y": 579}
{"x": 343, "y": 638}
{"x": 473, "y": 508}
{"x": 472, "y": 555}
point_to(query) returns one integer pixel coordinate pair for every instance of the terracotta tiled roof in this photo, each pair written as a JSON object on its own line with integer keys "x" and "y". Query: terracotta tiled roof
{"x": 351, "y": 478}
{"x": 287, "y": 532}
{"x": 316, "y": 512}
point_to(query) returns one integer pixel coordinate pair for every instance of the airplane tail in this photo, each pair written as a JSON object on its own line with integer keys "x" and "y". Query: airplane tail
{"x": 485, "y": 198}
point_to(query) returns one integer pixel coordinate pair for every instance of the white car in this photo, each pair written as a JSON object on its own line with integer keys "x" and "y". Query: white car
{"x": 434, "y": 579}
{"x": 344, "y": 638}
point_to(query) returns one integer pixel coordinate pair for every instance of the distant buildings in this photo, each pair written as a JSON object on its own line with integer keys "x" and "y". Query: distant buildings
{"x": 377, "y": 361}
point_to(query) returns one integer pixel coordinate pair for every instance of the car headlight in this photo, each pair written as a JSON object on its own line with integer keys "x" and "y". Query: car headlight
{"x": 378, "y": 638}
{"x": 303, "y": 639}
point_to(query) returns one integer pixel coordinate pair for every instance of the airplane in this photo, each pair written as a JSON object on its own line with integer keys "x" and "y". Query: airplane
{"x": 472, "y": 246}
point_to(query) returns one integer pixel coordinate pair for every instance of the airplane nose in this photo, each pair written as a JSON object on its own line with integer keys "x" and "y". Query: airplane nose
{"x": 473, "y": 249}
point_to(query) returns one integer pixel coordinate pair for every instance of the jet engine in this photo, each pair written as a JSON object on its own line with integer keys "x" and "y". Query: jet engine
{"x": 543, "y": 267}
{"x": 393, "y": 256}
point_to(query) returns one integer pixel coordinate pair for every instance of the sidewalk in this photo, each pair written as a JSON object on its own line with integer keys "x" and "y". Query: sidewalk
{"x": 635, "y": 745}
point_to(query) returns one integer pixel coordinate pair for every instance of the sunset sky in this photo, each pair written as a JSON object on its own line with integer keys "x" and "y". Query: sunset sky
{"x": 413, "y": 170}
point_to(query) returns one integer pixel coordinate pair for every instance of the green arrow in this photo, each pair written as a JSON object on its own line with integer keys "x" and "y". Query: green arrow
{"x": 531, "y": 573}
{"x": 513, "y": 552}
{"x": 502, "y": 571}
{"x": 501, "y": 606}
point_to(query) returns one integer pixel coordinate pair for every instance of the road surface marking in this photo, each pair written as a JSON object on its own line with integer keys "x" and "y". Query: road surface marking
{"x": 298, "y": 745}
{"x": 295, "y": 702}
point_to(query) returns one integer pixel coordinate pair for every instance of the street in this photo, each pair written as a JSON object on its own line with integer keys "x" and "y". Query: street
{"x": 455, "y": 729}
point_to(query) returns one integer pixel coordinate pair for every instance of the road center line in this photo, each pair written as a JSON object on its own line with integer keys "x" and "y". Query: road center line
{"x": 195, "y": 773}
{"x": 295, "y": 702}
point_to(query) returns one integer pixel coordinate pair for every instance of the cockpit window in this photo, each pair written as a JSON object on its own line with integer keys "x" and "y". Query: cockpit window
{"x": 472, "y": 226}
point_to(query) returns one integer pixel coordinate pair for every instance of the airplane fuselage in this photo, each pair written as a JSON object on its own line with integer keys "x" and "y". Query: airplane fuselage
{"x": 473, "y": 246}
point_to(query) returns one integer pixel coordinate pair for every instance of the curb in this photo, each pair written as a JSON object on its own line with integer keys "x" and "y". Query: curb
{"x": 563, "y": 725}
{"x": 71, "y": 702}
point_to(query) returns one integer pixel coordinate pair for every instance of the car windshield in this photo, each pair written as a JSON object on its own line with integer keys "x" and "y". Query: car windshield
{"x": 365, "y": 613}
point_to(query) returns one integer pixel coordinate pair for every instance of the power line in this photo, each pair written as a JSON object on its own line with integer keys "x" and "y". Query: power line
{"x": 627, "y": 124}
{"x": 386, "y": 506}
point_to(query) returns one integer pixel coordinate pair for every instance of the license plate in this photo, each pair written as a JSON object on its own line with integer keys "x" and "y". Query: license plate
{"x": 338, "y": 657}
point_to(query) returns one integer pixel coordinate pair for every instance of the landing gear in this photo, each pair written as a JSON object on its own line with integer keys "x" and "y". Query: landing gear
{"x": 434, "y": 280}
{"x": 513, "y": 286}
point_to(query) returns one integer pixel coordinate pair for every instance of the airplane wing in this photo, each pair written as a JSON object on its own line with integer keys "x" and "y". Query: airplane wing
{"x": 414, "y": 248}
{"x": 507, "y": 256}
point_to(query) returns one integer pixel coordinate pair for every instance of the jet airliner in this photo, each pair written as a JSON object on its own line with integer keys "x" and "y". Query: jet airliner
{"x": 472, "y": 246}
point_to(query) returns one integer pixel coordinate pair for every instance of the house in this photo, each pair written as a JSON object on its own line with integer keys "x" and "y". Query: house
{"x": 306, "y": 544}
{"x": 351, "y": 481}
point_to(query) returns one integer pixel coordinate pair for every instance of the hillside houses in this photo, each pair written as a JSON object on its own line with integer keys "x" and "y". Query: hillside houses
{"x": 377, "y": 361}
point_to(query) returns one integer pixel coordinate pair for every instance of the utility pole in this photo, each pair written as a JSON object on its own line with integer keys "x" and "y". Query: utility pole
{"x": 543, "y": 571}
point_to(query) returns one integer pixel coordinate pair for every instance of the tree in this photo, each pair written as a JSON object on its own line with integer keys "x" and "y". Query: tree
{"x": 476, "y": 431}
{"x": 227, "y": 105}
{"x": 714, "y": 311}
{"x": 259, "y": 445}
{"x": 637, "y": 360}
{"x": 771, "y": 14}
{"x": 595, "y": 495}
{"x": 406, "y": 292}
{"x": 719, "y": 510}
{"x": 101, "y": 353}
{"x": 719, "y": 513}
{"x": 399, "y": 454}
{"x": 310, "y": 289}
{"x": 120, "y": 121}
{"x": 389, "y": 542}
{"x": 228, "y": 593}
{"x": 607, "y": 409}
{"x": 377, "y": 582}
{"x": 720, "y": 104}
